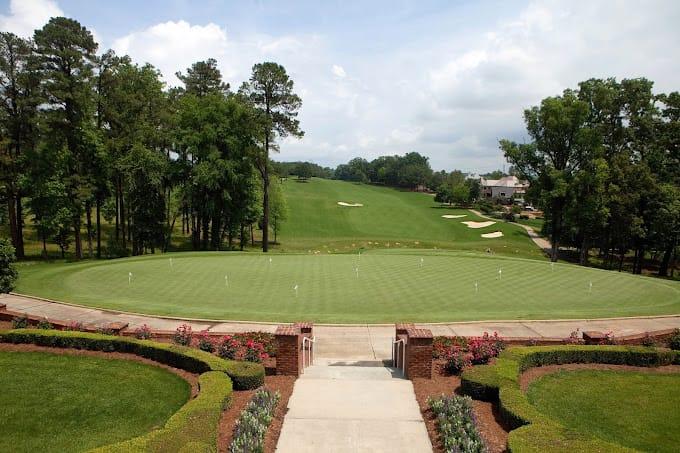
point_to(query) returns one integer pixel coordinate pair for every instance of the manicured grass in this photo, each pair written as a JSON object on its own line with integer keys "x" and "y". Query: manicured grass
{"x": 536, "y": 224}
{"x": 389, "y": 217}
{"x": 392, "y": 285}
{"x": 57, "y": 403}
{"x": 638, "y": 410}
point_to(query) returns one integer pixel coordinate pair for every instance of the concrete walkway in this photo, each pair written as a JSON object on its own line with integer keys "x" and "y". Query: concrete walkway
{"x": 353, "y": 409}
{"x": 357, "y": 343}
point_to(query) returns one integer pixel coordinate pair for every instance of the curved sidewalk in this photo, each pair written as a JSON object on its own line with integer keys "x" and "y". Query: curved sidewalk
{"x": 359, "y": 342}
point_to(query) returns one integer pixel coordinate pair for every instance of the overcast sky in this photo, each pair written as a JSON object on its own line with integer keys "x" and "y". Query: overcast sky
{"x": 446, "y": 79}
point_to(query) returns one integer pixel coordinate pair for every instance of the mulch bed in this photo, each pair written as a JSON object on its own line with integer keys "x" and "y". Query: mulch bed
{"x": 495, "y": 435}
{"x": 532, "y": 374}
{"x": 282, "y": 384}
{"x": 191, "y": 378}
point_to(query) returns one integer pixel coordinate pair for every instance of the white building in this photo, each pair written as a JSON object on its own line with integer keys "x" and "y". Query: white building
{"x": 507, "y": 187}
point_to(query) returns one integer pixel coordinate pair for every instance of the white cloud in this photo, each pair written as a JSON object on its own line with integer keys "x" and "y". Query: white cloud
{"x": 25, "y": 16}
{"x": 451, "y": 96}
{"x": 339, "y": 71}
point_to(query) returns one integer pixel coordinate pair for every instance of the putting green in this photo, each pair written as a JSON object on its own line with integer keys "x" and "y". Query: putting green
{"x": 374, "y": 287}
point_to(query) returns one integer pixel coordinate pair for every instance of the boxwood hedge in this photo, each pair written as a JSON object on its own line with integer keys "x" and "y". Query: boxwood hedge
{"x": 533, "y": 431}
{"x": 245, "y": 375}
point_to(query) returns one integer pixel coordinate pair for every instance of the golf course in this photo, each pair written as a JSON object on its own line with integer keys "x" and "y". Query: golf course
{"x": 394, "y": 258}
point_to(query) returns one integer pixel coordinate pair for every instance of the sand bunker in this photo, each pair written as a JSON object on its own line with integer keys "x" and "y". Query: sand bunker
{"x": 478, "y": 224}
{"x": 350, "y": 205}
{"x": 451, "y": 216}
{"x": 495, "y": 234}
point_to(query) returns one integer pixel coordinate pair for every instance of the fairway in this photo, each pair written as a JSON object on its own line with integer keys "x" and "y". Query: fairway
{"x": 374, "y": 287}
{"x": 389, "y": 218}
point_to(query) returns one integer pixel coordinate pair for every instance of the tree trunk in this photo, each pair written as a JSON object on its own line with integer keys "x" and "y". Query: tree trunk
{"x": 44, "y": 243}
{"x": 583, "y": 258}
{"x": 88, "y": 214}
{"x": 99, "y": 227}
{"x": 12, "y": 212}
{"x": 20, "y": 229}
{"x": 242, "y": 238}
{"x": 265, "y": 197}
{"x": 252, "y": 235}
{"x": 76, "y": 231}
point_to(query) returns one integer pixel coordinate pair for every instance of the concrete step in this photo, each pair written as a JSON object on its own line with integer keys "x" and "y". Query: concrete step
{"x": 351, "y": 372}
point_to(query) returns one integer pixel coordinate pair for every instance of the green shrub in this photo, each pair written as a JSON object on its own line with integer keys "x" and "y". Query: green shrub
{"x": 245, "y": 375}
{"x": 674, "y": 340}
{"x": 533, "y": 431}
{"x": 45, "y": 324}
{"x": 193, "y": 428}
{"x": 8, "y": 272}
{"x": 455, "y": 424}
{"x": 252, "y": 424}
{"x": 20, "y": 322}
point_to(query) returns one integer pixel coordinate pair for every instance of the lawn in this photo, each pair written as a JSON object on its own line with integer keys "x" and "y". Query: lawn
{"x": 376, "y": 286}
{"x": 388, "y": 217}
{"x": 56, "y": 403}
{"x": 638, "y": 410}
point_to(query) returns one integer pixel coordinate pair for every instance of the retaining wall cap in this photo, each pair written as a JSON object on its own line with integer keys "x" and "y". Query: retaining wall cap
{"x": 304, "y": 325}
{"x": 419, "y": 333}
{"x": 287, "y": 331}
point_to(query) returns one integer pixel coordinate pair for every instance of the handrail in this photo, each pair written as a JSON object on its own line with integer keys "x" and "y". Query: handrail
{"x": 395, "y": 356}
{"x": 310, "y": 355}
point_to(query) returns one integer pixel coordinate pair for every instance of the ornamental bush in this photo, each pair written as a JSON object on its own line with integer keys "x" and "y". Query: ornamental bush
{"x": 143, "y": 332}
{"x": 45, "y": 324}
{"x": 251, "y": 426}
{"x": 456, "y": 424}
{"x": 183, "y": 335}
{"x": 228, "y": 347}
{"x": 205, "y": 343}
{"x": 460, "y": 353}
{"x": 674, "y": 340}
{"x": 8, "y": 272}
{"x": 20, "y": 322}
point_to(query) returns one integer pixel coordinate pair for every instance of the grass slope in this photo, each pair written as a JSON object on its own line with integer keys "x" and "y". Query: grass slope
{"x": 638, "y": 410}
{"x": 52, "y": 402}
{"x": 391, "y": 285}
{"x": 400, "y": 219}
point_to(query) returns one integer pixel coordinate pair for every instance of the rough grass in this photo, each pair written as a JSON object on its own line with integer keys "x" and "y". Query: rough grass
{"x": 55, "y": 403}
{"x": 399, "y": 218}
{"x": 638, "y": 410}
{"x": 392, "y": 285}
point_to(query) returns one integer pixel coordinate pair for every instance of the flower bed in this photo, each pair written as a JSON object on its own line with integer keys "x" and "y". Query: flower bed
{"x": 247, "y": 346}
{"x": 456, "y": 424}
{"x": 534, "y": 431}
{"x": 251, "y": 427}
{"x": 460, "y": 353}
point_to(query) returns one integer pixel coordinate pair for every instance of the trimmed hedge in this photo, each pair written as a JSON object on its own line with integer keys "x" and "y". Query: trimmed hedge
{"x": 532, "y": 430}
{"x": 191, "y": 429}
{"x": 245, "y": 375}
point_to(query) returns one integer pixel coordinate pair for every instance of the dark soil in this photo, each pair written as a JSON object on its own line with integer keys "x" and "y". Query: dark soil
{"x": 494, "y": 434}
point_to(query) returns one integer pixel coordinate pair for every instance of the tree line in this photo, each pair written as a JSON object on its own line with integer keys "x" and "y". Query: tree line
{"x": 604, "y": 165}
{"x": 87, "y": 138}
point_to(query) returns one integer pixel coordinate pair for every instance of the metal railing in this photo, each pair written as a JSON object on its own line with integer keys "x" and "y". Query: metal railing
{"x": 399, "y": 347}
{"x": 308, "y": 346}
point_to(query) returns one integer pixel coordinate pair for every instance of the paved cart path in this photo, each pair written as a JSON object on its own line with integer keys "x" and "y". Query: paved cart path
{"x": 355, "y": 342}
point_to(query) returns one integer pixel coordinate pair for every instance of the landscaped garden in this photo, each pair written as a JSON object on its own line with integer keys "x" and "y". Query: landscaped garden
{"x": 55, "y": 402}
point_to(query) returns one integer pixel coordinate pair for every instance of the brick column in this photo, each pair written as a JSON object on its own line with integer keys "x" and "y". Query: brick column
{"x": 288, "y": 350}
{"x": 419, "y": 353}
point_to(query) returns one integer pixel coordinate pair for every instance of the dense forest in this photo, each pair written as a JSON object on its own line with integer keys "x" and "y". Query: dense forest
{"x": 87, "y": 139}
{"x": 604, "y": 165}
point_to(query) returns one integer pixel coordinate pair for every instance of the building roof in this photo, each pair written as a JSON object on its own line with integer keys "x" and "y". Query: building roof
{"x": 506, "y": 181}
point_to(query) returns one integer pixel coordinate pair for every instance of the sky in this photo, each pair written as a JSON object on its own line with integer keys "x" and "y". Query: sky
{"x": 447, "y": 79}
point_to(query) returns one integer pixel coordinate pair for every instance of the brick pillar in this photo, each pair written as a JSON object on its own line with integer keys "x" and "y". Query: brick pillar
{"x": 419, "y": 353}
{"x": 288, "y": 350}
